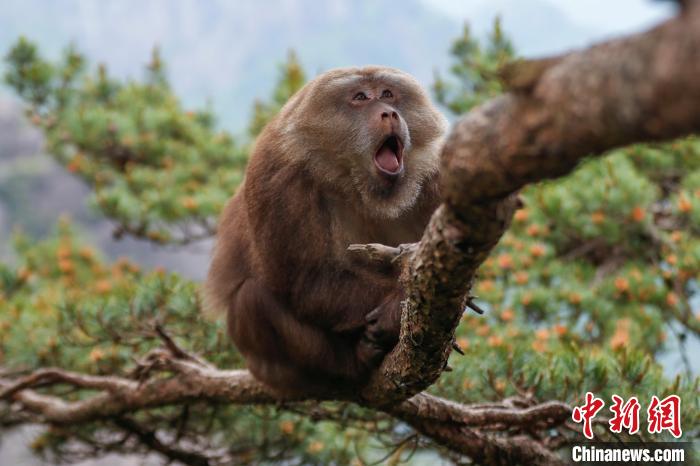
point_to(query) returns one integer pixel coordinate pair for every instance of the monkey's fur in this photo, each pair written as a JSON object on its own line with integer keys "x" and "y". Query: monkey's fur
{"x": 331, "y": 169}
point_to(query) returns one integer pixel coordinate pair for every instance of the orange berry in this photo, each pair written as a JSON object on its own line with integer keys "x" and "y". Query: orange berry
{"x": 86, "y": 253}
{"x": 287, "y": 427}
{"x": 500, "y": 385}
{"x": 537, "y": 250}
{"x": 542, "y": 334}
{"x": 560, "y": 329}
{"x": 621, "y": 284}
{"x": 96, "y": 355}
{"x": 676, "y": 236}
{"x": 638, "y": 214}
{"x": 533, "y": 230}
{"x": 526, "y": 299}
{"x": 66, "y": 266}
{"x": 598, "y": 217}
{"x": 507, "y": 315}
{"x": 103, "y": 286}
{"x": 315, "y": 447}
{"x": 189, "y": 203}
{"x": 619, "y": 340}
{"x": 63, "y": 252}
{"x": 505, "y": 261}
{"x": 483, "y": 330}
{"x": 671, "y": 299}
{"x": 73, "y": 167}
{"x": 575, "y": 298}
{"x": 521, "y": 215}
{"x": 24, "y": 273}
{"x": 463, "y": 343}
{"x": 521, "y": 278}
{"x": 486, "y": 285}
{"x": 684, "y": 204}
{"x": 495, "y": 341}
{"x": 539, "y": 346}
{"x": 672, "y": 259}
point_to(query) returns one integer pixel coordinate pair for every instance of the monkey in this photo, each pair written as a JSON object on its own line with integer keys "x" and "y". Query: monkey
{"x": 352, "y": 157}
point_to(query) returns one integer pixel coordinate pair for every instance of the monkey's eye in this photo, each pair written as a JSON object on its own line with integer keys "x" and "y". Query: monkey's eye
{"x": 360, "y": 96}
{"x": 386, "y": 94}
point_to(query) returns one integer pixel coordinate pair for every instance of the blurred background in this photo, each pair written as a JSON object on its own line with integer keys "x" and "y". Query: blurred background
{"x": 225, "y": 56}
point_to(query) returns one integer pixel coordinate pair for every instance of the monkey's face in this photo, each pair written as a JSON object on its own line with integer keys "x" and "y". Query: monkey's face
{"x": 371, "y": 133}
{"x": 384, "y": 133}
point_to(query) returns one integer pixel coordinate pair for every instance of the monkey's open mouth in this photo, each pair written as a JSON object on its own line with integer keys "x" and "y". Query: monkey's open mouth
{"x": 389, "y": 157}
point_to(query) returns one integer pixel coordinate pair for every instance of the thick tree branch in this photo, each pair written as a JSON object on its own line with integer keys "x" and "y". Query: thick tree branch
{"x": 638, "y": 89}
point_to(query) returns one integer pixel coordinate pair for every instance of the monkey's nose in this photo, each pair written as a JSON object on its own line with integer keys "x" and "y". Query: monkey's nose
{"x": 393, "y": 115}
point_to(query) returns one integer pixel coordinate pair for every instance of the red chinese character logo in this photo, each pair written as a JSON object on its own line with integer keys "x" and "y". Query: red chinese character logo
{"x": 587, "y": 412}
{"x": 625, "y": 415}
{"x": 665, "y": 415}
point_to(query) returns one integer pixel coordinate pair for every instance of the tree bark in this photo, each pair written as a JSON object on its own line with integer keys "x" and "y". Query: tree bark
{"x": 637, "y": 89}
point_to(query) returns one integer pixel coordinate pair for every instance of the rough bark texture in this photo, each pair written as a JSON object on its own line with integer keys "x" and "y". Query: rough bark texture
{"x": 638, "y": 89}
{"x": 645, "y": 87}
{"x": 459, "y": 427}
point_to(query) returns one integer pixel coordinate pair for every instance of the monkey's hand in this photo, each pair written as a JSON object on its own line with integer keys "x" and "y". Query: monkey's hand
{"x": 383, "y": 323}
{"x": 381, "y": 333}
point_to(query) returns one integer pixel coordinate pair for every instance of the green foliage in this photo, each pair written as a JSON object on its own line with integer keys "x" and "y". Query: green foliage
{"x": 161, "y": 172}
{"x": 475, "y": 70}
{"x": 291, "y": 79}
{"x": 64, "y": 306}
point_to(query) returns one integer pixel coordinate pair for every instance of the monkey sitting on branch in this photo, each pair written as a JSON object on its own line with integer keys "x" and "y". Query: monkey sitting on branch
{"x": 353, "y": 157}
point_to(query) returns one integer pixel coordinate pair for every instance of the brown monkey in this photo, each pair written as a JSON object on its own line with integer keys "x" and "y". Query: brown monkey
{"x": 351, "y": 158}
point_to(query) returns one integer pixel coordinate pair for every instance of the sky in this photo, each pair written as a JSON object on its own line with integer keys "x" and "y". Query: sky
{"x": 228, "y": 51}
{"x": 599, "y": 18}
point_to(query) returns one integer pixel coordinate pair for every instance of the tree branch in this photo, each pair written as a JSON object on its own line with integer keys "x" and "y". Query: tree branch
{"x": 460, "y": 427}
{"x": 638, "y": 89}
